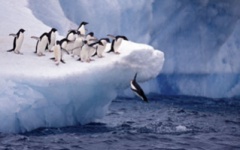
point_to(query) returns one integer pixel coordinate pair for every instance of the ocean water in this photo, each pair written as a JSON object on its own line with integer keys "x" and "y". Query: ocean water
{"x": 165, "y": 123}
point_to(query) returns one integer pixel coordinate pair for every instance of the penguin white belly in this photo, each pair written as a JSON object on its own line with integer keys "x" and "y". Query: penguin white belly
{"x": 117, "y": 45}
{"x": 19, "y": 42}
{"x": 77, "y": 46}
{"x": 42, "y": 45}
{"x": 92, "y": 51}
{"x": 57, "y": 54}
{"x": 84, "y": 55}
{"x": 82, "y": 30}
{"x": 100, "y": 50}
{"x": 52, "y": 43}
{"x": 71, "y": 37}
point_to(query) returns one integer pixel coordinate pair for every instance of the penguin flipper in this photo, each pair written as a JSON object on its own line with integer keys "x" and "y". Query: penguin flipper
{"x": 64, "y": 50}
{"x": 14, "y": 35}
{"x": 10, "y": 50}
{"x": 94, "y": 54}
{"x": 34, "y": 37}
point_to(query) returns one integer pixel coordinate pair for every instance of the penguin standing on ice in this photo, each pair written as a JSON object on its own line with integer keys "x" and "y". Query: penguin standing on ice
{"x": 82, "y": 28}
{"x": 71, "y": 36}
{"x": 86, "y": 51}
{"x": 42, "y": 43}
{"x": 58, "y": 51}
{"x": 116, "y": 43}
{"x": 135, "y": 87}
{"x": 17, "y": 42}
{"x": 78, "y": 43}
{"x": 100, "y": 48}
{"x": 51, "y": 39}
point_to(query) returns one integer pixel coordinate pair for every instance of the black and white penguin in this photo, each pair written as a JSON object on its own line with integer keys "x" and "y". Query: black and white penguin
{"x": 78, "y": 43}
{"x": 42, "y": 43}
{"x": 87, "y": 50}
{"x": 135, "y": 87}
{"x": 17, "y": 42}
{"x": 116, "y": 43}
{"x": 71, "y": 36}
{"x": 51, "y": 39}
{"x": 100, "y": 48}
{"x": 59, "y": 50}
{"x": 82, "y": 28}
{"x": 90, "y": 38}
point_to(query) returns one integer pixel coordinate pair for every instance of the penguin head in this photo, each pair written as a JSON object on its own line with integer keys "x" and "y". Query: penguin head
{"x": 83, "y": 23}
{"x": 54, "y": 30}
{"x": 91, "y": 34}
{"x": 21, "y": 30}
{"x": 122, "y": 37}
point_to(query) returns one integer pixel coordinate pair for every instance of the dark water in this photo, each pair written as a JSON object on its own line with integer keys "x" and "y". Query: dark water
{"x": 166, "y": 123}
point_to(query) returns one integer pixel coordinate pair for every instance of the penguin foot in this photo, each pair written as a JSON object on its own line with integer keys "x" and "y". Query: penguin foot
{"x": 117, "y": 53}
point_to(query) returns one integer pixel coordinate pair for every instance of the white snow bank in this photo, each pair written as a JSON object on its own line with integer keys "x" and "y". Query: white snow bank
{"x": 34, "y": 92}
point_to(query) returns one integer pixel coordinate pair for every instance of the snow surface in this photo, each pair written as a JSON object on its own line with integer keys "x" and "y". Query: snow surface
{"x": 34, "y": 92}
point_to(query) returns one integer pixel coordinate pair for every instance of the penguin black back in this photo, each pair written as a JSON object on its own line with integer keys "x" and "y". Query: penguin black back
{"x": 135, "y": 87}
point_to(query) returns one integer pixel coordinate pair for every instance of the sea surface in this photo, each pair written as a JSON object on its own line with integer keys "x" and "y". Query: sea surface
{"x": 165, "y": 123}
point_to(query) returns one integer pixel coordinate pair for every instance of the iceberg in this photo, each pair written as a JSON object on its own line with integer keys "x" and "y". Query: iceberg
{"x": 34, "y": 92}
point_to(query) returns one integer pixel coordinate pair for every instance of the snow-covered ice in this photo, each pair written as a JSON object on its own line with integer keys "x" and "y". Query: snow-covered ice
{"x": 34, "y": 92}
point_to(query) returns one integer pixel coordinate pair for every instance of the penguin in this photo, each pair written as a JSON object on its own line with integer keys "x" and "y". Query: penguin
{"x": 58, "y": 51}
{"x": 17, "y": 42}
{"x": 82, "y": 28}
{"x": 90, "y": 38}
{"x": 135, "y": 87}
{"x": 116, "y": 43}
{"x": 42, "y": 43}
{"x": 85, "y": 53}
{"x": 77, "y": 46}
{"x": 71, "y": 36}
{"x": 100, "y": 48}
{"x": 51, "y": 39}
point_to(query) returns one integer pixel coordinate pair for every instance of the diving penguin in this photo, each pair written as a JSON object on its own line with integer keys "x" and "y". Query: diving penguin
{"x": 135, "y": 87}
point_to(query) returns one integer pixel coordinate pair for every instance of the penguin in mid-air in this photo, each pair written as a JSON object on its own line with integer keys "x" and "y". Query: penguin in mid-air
{"x": 17, "y": 42}
{"x": 116, "y": 43}
{"x": 135, "y": 87}
{"x": 51, "y": 39}
{"x": 42, "y": 43}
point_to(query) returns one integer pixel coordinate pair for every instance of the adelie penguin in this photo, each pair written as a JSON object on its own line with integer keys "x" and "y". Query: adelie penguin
{"x": 82, "y": 28}
{"x": 87, "y": 49}
{"x": 116, "y": 43}
{"x": 17, "y": 42}
{"x": 135, "y": 87}
{"x": 42, "y": 43}
{"x": 100, "y": 48}
{"x": 51, "y": 39}
{"x": 58, "y": 51}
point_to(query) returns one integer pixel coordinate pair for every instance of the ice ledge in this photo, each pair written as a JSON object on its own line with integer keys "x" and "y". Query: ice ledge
{"x": 34, "y": 92}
